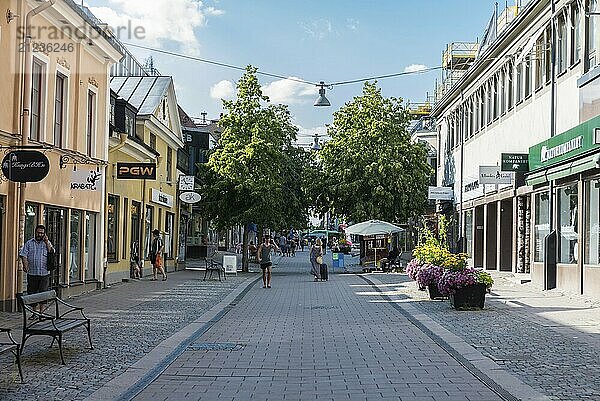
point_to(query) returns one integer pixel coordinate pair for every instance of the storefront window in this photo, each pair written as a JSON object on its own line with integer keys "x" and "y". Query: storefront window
{"x": 469, "y": 232}
{"x": 112, "y": 227}
{"x": 90, "y": 243}
{"x": 592, "y": 222}
{"x": 542, "y": 224}
{"x": 75, "y": 246}
{"x": 169, "y": 235}
{"x": 568, "y": 247}
{"x": 31, "y": 219}
{"x": 148, "y": 230}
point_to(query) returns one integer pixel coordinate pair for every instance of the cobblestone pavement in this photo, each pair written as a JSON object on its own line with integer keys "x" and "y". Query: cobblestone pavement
{"x": 303, "y": 340}
{"x": 128, "y": 320}
{"x": 548, "y": 340}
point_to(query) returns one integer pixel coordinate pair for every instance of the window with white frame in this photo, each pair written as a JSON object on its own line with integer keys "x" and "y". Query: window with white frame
{"x": 510, "y": 86}
{"x": 481, "y": 108}
{"x": 539, "y": 62}
{"x": 38, "y": 93}
{"x": 593, "y": 35}
{"x": 548, "y": 54}
{"x": 60, "y": 110}
{"x": 575, "y": 33}
{"x": 519, "y": 83}
{"x": 90, "y": 122}
{"x": 496, "y": 96}
{"x": 561, "y": 48}
{"x": 527, "y": 77}
{"x": 490, "y": 102}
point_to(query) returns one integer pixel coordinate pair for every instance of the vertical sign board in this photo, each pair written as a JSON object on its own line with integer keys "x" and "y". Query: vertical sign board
{"x": 230, "y": 263}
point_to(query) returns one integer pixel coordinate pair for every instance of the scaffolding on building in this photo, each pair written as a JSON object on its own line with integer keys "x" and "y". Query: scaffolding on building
{"x": 456, "y": 60}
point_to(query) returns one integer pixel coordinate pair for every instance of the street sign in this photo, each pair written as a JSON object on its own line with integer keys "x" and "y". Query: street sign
{"x": 517, "y": 162}
{"x": 493, "y": 175}
{"x": 440, "y": 193}
{"x": 25, "y": 166}
{"x": 190, "y": 197}
{"x": 136, "y": 171}
{"x": 186, "y": 183}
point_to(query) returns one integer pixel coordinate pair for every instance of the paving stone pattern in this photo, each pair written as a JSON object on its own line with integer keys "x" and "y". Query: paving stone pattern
{"x": 553, "y": 359}
{"x": 306, "y": 340}
{"x": 128, "y": 320}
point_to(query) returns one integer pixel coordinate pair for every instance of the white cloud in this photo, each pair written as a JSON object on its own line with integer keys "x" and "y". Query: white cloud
{"x": 288, "y": 91}
{"x": 318, "y": 29}
{"x": 162, "y": 21}
{"x": 415, "y": 68}
{"x": 223, "y": 90}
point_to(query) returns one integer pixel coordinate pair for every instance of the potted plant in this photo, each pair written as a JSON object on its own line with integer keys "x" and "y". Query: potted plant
{"x": 428, "y": 276}
{"x": 412, "y": 268}
{"x": 466, "y": 287}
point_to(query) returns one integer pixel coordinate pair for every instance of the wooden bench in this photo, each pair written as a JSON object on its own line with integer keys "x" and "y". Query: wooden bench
{"x": 214, "y": 263}
{"x": 10, "y": 345}
{"x": 54, "y": 321}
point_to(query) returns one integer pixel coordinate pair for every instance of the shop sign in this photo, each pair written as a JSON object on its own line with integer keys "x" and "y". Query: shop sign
{"x": 569, "y": 144}
{"x": 136, "y": 171}
{"x": 162, "y": 198}
{"x": 186, "y": 183}
{"x": 190, "y": 197}
{"x": 517, "y": 162}
{"x": 85, "y": 180}
{"x": 471, "y": 186}
{"x": 440, "y": 193}
{"x": 25, "y": 166}
{"x": 493, "y": 175}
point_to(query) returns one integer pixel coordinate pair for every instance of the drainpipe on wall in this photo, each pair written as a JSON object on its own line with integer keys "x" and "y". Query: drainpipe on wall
{"x": 26, "y": 127}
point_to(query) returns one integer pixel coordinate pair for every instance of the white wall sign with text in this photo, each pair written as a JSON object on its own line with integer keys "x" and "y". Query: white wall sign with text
{"x": 493, "y": 175}
{"x": 86, "y": 180}
{"x": 440, "y": 193}
{"x": 162, "y": 198}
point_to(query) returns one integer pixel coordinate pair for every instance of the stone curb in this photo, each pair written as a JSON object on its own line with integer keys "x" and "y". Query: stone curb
{"x": 491, "y": 370}
{"x": 163, "y": 354}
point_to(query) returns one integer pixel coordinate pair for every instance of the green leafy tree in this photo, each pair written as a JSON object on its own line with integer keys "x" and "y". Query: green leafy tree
{"x": 255, "y": 173}
{"x": 370, "y": 168}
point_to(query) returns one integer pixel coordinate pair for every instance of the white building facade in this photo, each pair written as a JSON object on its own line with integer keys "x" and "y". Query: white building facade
{"x": 502, "y": 104}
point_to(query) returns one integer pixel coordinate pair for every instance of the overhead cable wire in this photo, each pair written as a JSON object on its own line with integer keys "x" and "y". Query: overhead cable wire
{"x": 268, "y": 74}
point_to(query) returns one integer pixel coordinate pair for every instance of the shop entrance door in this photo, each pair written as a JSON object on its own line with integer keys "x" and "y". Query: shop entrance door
{"x": 55, "y": 222}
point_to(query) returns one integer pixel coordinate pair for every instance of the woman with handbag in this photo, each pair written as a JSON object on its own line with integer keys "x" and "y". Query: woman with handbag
{"x": 156, "y": 251}
{"x": 316, "y": 259}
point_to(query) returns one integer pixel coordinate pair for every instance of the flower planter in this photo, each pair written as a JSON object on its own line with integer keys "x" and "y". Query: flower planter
{"x": 434, "y": 292}
{"x": 469, "y": 297}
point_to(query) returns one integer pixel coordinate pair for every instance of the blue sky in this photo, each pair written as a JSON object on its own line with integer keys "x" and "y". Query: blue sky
{"x": 329, "y": 41}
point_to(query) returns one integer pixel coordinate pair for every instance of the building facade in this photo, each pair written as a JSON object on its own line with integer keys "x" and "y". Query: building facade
{"x": 147, "y": 134}
{"x": 511, "y": 97}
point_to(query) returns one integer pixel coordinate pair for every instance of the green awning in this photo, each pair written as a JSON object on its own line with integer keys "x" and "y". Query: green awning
{"x": 564, "y": 170}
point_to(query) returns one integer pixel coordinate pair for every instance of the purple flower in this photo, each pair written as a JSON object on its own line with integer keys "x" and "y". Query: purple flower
{"x": 429, "y": 274}
{"x": 412, "y": 268}
{"x": 452, "y": 280}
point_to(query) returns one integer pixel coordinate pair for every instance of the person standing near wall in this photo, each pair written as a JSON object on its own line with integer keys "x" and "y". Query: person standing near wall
{"x": 34, "y": 256}
{"x": 156, "y": 251}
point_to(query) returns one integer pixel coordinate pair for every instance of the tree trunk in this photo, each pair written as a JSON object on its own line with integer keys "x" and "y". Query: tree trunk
{"x": 245, "y": 261}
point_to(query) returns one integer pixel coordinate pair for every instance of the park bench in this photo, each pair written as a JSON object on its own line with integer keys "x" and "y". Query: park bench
{"x": 57, "y": 318}
{"x": 10, "y": 345}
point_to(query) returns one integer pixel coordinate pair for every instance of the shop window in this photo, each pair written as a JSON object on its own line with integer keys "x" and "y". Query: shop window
{"x": 75, "y": 229}
{"x": 90, "y": 245}
{"x": 148, "y": 230}
{"x": 541, "y": 225}
{"x": 469, "y": 232}
{"x": 124, "y": 231}
{"x": 568, "y": 247}
{"x": 112, "y": 227}
{"x": 169, "y": 234}
{"x": 592, "y": 222}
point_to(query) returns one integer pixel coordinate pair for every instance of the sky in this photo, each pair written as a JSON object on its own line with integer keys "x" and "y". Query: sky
{"x": 324, "y": 40}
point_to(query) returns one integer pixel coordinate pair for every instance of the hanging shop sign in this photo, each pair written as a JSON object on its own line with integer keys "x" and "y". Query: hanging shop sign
{"x": 161, "y": 198}
{"x": 569, "y": 144}
{"x": 85, "y": 180}
{"x": 186, "y": 183}
{"x": 493, "y": 175}
{"x": 516, "y": 162}
{"x": 440, "y": 193}
{"x": 190, "y": 197}
{"x": 136, "y": 171}
{"x": 25, "y": 166}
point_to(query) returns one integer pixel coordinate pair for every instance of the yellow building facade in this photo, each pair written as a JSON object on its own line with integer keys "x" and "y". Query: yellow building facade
{"x": 147, "y": 132}
{"x": 70, "y": 56}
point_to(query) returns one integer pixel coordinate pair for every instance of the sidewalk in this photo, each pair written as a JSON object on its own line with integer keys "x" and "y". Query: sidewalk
{"x": 128, "y": 321}
{"x": 547, "y": 339}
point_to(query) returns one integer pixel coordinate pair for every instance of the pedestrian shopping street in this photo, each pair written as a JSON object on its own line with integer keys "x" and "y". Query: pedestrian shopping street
{"x": 356, "y": 336}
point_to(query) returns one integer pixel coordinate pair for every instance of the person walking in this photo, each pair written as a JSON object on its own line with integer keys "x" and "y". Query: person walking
{"x": 316, "y": 253}
{"x": 34, "y": 257}
{"x": 156, "y": 251}
{"x": 264, "y": 258}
